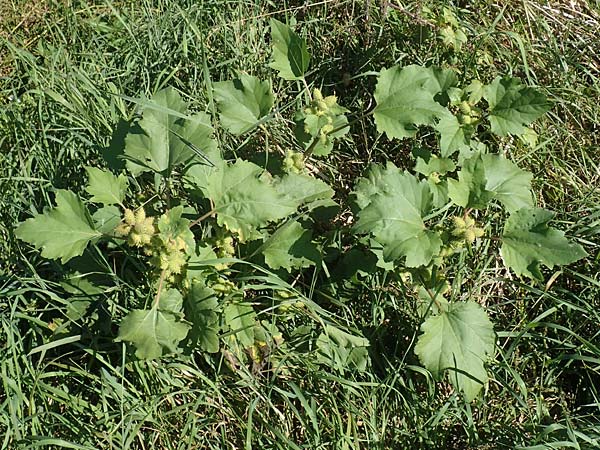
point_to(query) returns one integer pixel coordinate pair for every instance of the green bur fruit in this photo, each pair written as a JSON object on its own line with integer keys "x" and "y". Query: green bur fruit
{"x": 293, "y": 162}
{"x": 320, "y": 123}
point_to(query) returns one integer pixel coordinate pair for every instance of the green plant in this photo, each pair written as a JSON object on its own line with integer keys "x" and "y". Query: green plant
{"x": 203, "y": 233}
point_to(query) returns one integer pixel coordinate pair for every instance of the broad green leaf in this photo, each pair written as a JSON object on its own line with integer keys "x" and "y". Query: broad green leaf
{"x": 171, "y": 300}
{"x": 290, "y": 247}
{"x": 461, "y": 338}
{"x": 105, "y": 187}
{"x": 395, "y": 219}
{"x": 378, "y": 180}
{"x": 195, "y": 178}
{"x": 201, "y": 307}
{"x": 290, "y": 55}
{"x": 106, "y": 219}
{"x": 405, "y": 99}
{"x": 162, "y": 140}
{"x": 301, "y": 189}
{"x": 153, "y": 332}
{"x": 528, "y": 242}
{"x": 510, "y": 184}
{"x": 63, "y": 232}
{"x": 243, "y": 102}
{"x": 452, "y": 135}
{"x": 470, "y": 189}
{"x": 487, "y": 177}
{"x": 433, "y": 164}
{"x": 244, "y": 201}
{"x": 241, "y": 318}
{"x": 440, "y": 82}
{"x": 513, "y": 105}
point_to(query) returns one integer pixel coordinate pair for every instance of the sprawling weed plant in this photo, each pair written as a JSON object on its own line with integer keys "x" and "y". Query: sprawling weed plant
{"x": 229, "y": 249}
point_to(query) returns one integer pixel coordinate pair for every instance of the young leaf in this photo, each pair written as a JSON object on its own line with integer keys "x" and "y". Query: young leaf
{"x": 395, "y": 218}
{"x": 528, "y": 242}
{"x": 153, "y": 332}
{"x": 513, "y": 105}
{"x": 240, "y": 318}
{"x": 290, "y": 55}
{"x": 290, "y": 247}
{"x": 434, "y": 164}
{"x": 405, "y": 98}
{"x": 63, "y": 232}
{"x": 460, "y": 338}
{"x": 172, "y": 226}
{"x": 105, "y": 187}
{"x": 244, "y": 201}
{"x": 162, "y": 140}
{"x": 243, "y": 102}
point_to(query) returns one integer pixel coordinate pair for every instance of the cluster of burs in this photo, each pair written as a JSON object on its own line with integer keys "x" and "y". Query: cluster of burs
{"x": 167, "y": 253}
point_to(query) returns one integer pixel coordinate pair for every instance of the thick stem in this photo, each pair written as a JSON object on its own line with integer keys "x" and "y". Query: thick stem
{"x": 161, "y": 281}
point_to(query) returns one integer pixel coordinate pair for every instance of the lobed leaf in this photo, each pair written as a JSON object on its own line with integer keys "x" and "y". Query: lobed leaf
{"x": 163, "y": 139}
{"x": 528, "y": 242}
{"x": 394, "y": 217}
{"x": 485, "y": 177}
{"x": 105, "y": 187}
{"x": 156, "y": 331}
{"x": 290, "y": 247}
{"x": 460, "y": 338}
{"x": 405, "y": 99}
{"x": 513, "y": 105}
{"x": 63, "y": 232}
{"x": 244, "y": 201}
{"x": 302, "y": 189}
{"x": 243, "y": 102}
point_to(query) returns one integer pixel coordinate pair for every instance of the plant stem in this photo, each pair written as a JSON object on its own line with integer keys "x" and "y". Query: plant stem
{"x": 203, "y": 217}
{"x": 161, "y": 281}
